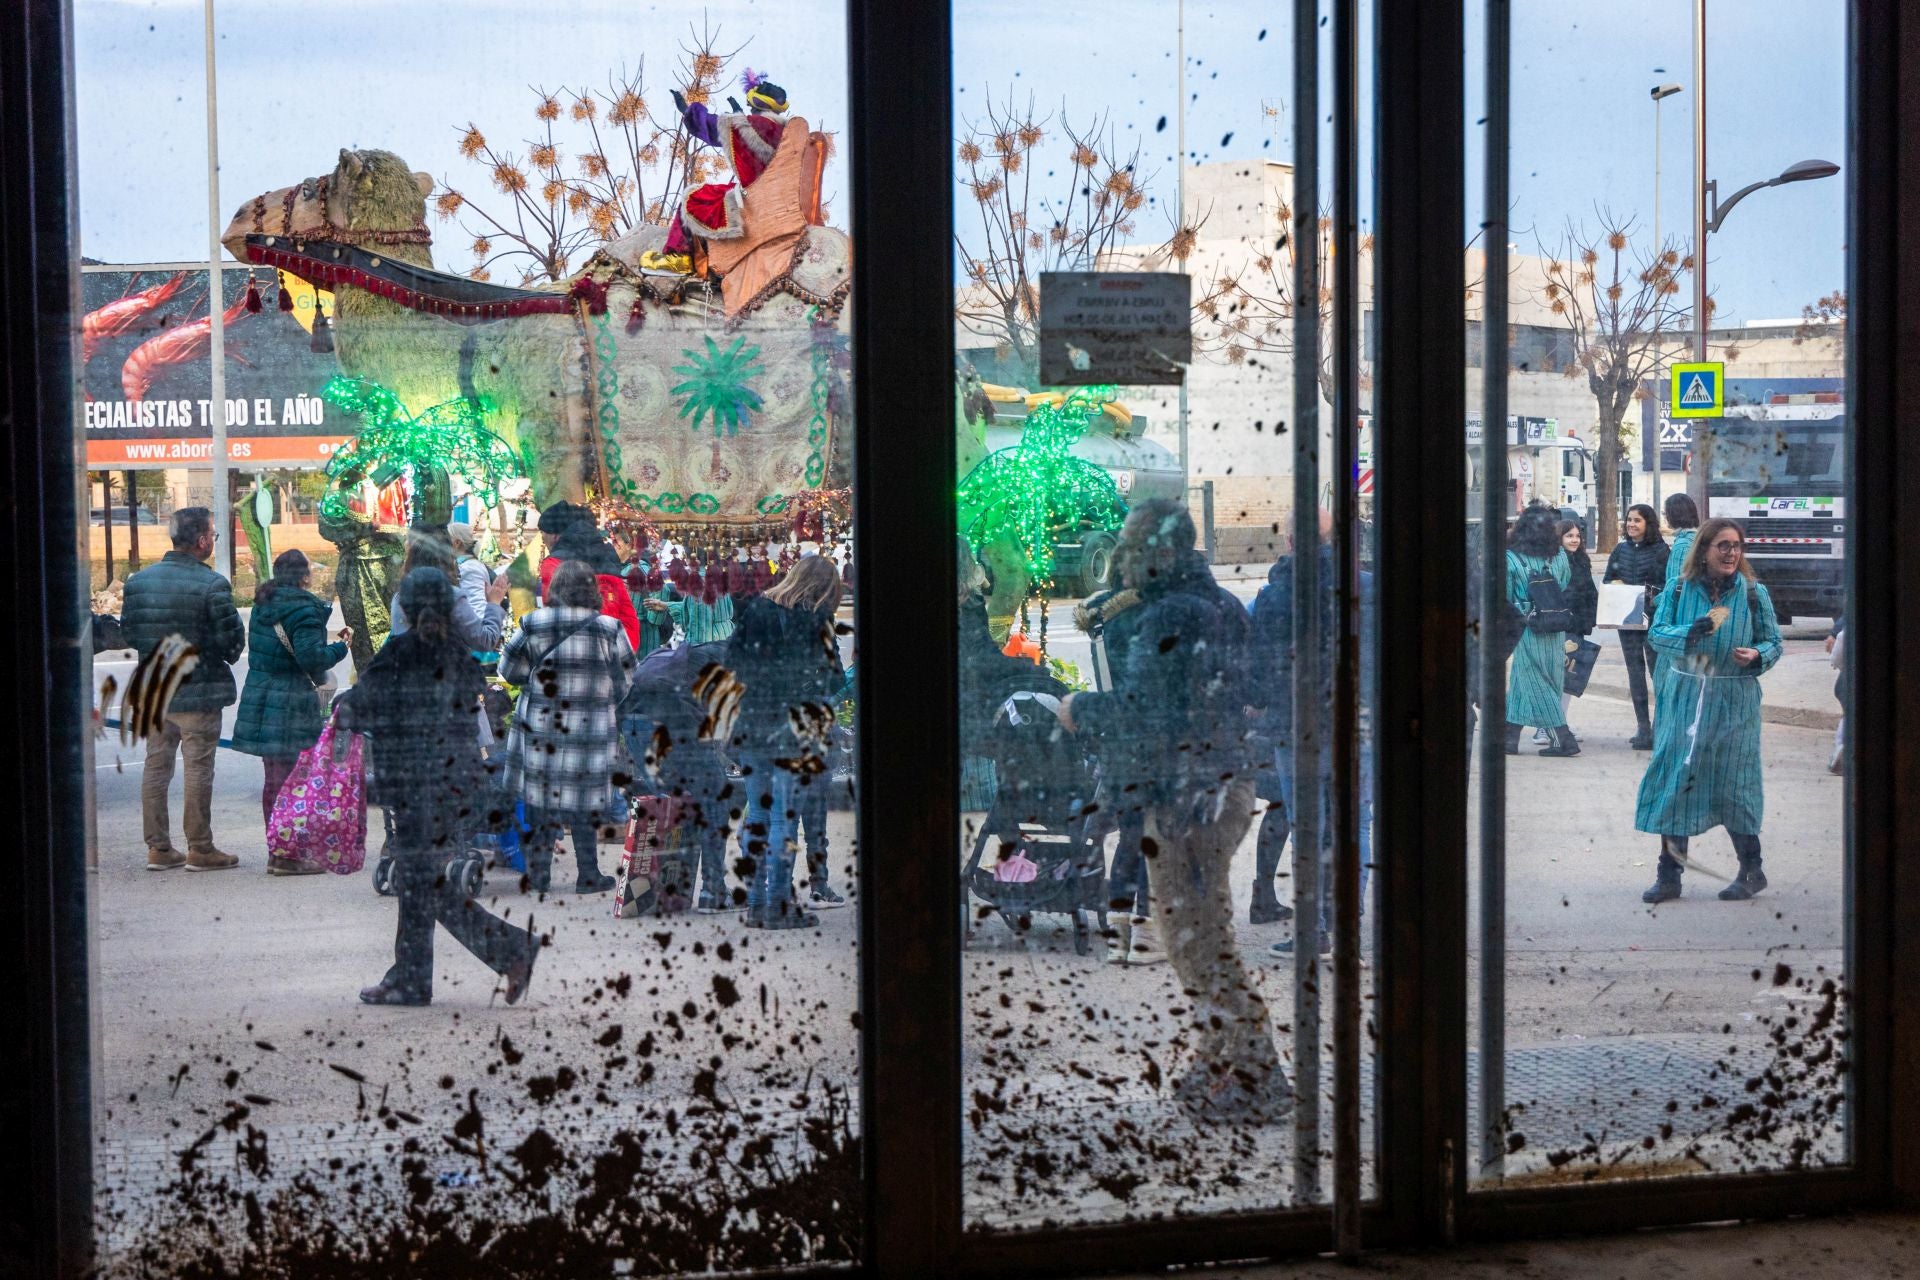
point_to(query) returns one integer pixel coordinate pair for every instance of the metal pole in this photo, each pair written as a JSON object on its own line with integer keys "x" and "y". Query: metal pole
{"x": 1659, "y": 457}
{"x": 1309, "y": 694}
{"x": 1493, "y": 610}
{"x": 106, "y": 519}
{"x": 1702, "y": 433}
{"x": 133, "y": 523}
{"x": 217, "y": 342}
{"x": 1180, "y": 196}
{"x": 1346, "y": 654}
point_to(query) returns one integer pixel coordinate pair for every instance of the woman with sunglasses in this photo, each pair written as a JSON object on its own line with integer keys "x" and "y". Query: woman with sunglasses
{"x": 1717, "y": 628}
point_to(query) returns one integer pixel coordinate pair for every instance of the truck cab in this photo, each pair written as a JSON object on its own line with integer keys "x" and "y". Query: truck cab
{"x": 1544, "y": 461}
{"x": 1779, "y": 467}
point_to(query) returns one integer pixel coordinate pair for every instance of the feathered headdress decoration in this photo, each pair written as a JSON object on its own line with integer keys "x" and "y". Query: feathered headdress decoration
{"x": 750, "y": 80}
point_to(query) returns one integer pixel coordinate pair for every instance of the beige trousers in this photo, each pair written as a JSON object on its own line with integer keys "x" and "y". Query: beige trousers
{"x": 196, "y": 736}
{"x": 1193, "y": 901}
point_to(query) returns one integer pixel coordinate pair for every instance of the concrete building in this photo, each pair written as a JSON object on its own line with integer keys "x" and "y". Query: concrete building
{"x": 1240, "y": 397}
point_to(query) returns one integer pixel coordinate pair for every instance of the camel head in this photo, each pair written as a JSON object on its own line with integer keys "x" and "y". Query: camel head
{"x": 371, "y": 198}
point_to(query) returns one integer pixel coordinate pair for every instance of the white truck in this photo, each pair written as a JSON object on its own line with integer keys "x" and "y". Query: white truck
{"x": 1544, "y": 461}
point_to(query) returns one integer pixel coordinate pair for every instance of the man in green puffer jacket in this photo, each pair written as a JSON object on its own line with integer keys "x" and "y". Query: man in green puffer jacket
{"x": 183, "y": 596}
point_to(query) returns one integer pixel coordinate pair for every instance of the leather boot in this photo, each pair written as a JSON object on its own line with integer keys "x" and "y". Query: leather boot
{"x": 1513, "y": 738}
{"x": 1642, "y": 739}
{"x": 1751, "y": 879}
{"x": 1268, "y": 845}
{"x": 1666, "y": 884}
{"x": 1564, "y": 743}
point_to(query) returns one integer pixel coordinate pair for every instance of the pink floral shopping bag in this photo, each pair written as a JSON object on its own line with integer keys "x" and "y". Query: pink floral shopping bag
{"x": 320, "y": 816}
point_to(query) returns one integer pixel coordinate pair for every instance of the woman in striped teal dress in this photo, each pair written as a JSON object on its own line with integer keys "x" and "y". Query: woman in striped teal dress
{"x": 1538, "y": 671}
{"x": 1717, "y": 626}
{"x": 697, "y": 621}
{"x": 1683, "y": 517}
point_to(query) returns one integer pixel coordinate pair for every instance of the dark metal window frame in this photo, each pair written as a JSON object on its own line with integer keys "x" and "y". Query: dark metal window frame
{"x": 902, "y": 196}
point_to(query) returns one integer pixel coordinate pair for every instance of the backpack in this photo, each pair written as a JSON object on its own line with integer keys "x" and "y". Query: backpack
{"x": 1548, "y": 611}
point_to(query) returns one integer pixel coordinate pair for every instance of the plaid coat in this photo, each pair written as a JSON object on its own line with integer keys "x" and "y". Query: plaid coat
{"x": 573, "y": 667}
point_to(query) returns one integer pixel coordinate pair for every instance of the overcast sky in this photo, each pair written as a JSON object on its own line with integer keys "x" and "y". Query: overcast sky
{"x": 300, "y": 79}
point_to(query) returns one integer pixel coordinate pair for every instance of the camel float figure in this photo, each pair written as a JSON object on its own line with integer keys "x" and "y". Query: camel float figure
{"x": 716, "y": 411}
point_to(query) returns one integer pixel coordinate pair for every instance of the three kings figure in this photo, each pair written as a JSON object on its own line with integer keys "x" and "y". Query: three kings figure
{"x": 749, "y": 139}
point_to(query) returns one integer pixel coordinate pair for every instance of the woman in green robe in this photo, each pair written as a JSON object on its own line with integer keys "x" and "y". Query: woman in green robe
{"x": 1683, "y": 517}
{"x": 1717, "y": 626}
{"x": 697, "y": 621}
{"x": 1538, "y": 671}
{"x": 656, "y": 627}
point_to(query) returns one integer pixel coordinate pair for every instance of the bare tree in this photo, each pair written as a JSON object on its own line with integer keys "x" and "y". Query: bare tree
{"x": 1621, "y": 309}
{"x": 1087, "y": 210}
{"x": 1825, "y": 321}
{"x": 1251, "y": 306}
{"x": 619, "y": 166}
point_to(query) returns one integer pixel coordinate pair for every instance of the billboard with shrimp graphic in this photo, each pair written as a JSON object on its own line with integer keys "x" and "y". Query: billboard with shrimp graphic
{"x": 145, "y": 339}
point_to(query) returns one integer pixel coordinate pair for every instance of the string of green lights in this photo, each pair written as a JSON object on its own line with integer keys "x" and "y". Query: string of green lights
{"x": 451, "y": 436}
{"x": 1035, "y": 491}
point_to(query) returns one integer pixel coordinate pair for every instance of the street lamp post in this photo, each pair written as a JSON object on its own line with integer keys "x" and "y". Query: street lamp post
{"x": 1180, "y": 195}
{"x": 217, "y": 339}
{"x": 1659, "y": 93}
{"x": 1708, "y": 214}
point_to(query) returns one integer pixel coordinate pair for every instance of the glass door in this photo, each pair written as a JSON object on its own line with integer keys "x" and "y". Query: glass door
{"x": 1165, "y": 584}
{"x": 473, "y": 857}
{"x": 1659, "y": 949}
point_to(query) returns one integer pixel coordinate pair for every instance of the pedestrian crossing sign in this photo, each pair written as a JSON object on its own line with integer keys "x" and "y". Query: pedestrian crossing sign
{"x": 1699, "y": 390}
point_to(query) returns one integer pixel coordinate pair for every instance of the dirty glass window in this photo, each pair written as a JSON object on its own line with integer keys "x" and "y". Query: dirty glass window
{"x": 1657, "y": 553}
{"x": 470, "y": 551}
{"x": 1140, "y": 303}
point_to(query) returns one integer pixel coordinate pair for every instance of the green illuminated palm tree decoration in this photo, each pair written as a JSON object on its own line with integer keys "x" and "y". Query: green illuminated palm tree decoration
{"x": 450, "y": 438}
{"x": 1037, "y": 490}
{"x": 717, "y": 384}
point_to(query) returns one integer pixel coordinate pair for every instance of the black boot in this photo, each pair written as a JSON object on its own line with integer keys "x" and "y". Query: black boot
{"x": 1751, "y": 879}
{"x": 1564, "y": 743}
{"x": 1642, "y": 739}
{"x": 1513, "y": 738}
{"x": 1666, "y": 884}
{"x": 1266, "y": 907}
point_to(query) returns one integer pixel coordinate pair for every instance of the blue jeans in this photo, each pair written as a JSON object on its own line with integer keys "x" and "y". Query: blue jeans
{"x": 1127, "y": 885}
{"x": 767, "y": 836}
{"x": 1283, "y": 764}
{"x": 537, "y": 837}
{"x": 810, "y": 805}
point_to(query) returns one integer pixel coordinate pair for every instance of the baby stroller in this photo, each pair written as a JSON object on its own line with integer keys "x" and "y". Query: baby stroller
{"x": 677, "y": 829}
{"x": 1048, "y": 861}
{"x": 494, "y": 843}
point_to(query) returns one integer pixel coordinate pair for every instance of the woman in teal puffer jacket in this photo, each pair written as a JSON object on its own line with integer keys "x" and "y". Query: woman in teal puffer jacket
{"x": 279, "y": 715}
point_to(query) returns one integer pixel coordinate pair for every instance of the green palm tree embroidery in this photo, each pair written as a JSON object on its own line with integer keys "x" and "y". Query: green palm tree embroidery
{"x": 717, "y": 384}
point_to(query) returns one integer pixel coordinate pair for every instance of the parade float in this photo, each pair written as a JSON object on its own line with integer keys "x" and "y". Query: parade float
{"x": 709, "y": 405}
{"x": 688, "y": 382}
